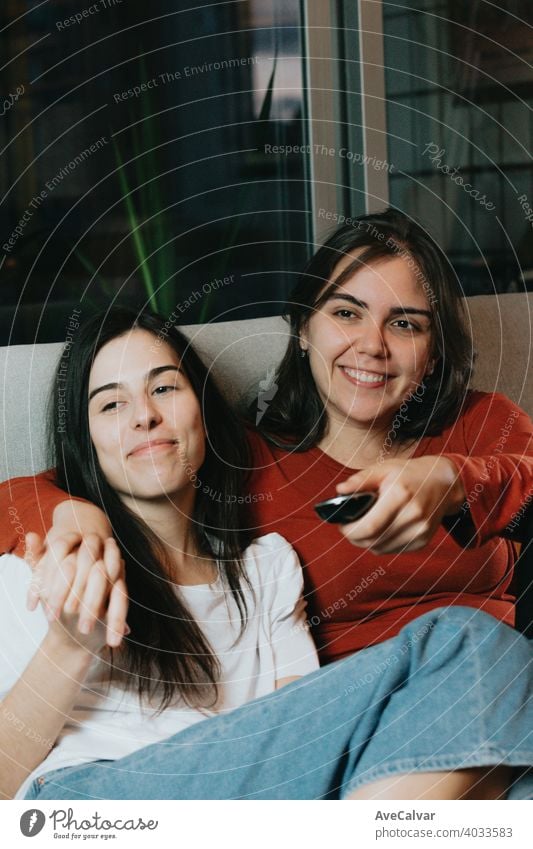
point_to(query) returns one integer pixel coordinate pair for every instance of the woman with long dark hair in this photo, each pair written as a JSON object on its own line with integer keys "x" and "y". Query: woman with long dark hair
{"x": 372, "y": 396}
{"x": 214, "y": 619}
{"x": 155, "y": 611}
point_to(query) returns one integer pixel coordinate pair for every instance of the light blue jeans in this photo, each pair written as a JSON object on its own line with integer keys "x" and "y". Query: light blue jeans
{"x": 452, "y": 690}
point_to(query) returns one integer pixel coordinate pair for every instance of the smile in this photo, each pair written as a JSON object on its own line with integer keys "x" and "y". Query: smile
{"x": 158, "y": 446}
{"x": 365, "y": 378}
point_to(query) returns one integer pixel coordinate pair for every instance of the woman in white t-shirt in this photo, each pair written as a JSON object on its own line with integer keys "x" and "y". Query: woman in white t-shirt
{"x": 93, "y": 707}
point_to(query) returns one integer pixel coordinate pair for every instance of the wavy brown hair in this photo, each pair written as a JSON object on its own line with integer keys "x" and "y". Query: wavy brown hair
{"x": 296, "y": 418}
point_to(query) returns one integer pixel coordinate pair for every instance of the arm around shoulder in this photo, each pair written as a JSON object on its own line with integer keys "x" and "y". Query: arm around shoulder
{"x": 36, "y": 504}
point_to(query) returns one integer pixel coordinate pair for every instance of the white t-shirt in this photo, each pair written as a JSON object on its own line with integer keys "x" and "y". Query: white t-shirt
{"x": 108, "y": 723}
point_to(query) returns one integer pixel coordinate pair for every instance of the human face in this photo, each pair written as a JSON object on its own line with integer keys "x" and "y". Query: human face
{"x": 144, "y": 419}
{"x": 369, "y": 344}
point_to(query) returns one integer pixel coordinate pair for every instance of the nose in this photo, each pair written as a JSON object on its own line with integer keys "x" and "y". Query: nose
{"x": 369, "y": 339}
{"x": 145, "y": 415}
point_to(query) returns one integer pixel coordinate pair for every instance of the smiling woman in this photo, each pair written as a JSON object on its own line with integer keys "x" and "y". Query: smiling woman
{"x": 380, "y": 300}
{"x": 133, "y": 435}
{"x": 153, "y": 393}
{"x": 214, "y": 618}
{"x": 367, "y": 356}
{"x": 372, "y": 395}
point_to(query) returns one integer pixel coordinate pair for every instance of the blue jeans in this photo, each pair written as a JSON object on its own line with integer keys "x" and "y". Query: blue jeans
{"x": 452, "y": 690}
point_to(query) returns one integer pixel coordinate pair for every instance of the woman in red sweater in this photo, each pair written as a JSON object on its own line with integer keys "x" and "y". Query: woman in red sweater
{"x": 372, "y": 395}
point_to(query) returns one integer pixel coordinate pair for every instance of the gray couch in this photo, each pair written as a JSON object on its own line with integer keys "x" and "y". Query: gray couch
{"x": 241, "y": 354}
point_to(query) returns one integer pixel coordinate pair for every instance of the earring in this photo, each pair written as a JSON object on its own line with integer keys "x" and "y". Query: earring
{"x": 303, "y": 353}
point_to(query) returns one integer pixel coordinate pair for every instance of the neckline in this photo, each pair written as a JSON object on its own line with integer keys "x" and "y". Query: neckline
{"x": 212, "y": 586}
{"x": 327, "y": 460}
{"x": 214, "y": 583}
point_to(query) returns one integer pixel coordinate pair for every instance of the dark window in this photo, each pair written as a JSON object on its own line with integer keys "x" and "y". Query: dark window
{"x": 137, "y": 160}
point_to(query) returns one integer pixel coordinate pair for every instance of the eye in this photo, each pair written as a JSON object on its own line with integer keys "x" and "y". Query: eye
{"x": 163, "y": 390}
{"x": 405, "y": 324}
{"x": 111, "y": 405}
{"x": 345, "y": 313}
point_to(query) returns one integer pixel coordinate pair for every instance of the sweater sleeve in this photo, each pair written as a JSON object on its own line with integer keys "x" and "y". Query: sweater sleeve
{"x": 27, "y": 504}
{"x": 496, "y": 471}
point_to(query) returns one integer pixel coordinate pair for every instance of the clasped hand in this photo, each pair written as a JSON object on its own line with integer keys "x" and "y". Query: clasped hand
{"x": 81, "y": 586}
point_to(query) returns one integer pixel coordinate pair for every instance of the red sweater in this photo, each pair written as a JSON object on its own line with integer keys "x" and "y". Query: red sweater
{"x": 355, "y": 598}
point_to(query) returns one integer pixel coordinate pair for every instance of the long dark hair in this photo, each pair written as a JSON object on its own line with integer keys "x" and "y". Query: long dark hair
{"x": 296, "y": 418}
{"x": 167, "y": 648}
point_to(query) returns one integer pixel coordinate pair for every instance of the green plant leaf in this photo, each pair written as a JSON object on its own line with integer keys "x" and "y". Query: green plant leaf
{"x": 135, "y": 231}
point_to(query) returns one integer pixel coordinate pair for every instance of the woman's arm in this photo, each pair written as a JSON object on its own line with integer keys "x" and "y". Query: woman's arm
{"x": 497, "y": 471}
{"x": 299, "y": 618}
{"x": 72, "y": 527}
{"x": 35, "y": 710}
{"x": 33, "y": 713}
{"x": 293, "y": 649}
{"x": 35, "y": 504}
{"x": 476, "y": 494}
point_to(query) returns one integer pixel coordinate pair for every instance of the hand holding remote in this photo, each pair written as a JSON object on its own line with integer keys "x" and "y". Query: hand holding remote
{"x": 413, "y": 497}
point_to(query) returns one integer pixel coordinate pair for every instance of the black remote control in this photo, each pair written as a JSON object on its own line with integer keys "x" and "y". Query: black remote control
{"x": 346, "y": 508}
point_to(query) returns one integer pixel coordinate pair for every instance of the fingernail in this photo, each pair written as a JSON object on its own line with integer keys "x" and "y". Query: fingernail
{"x": 84, "y": 626}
